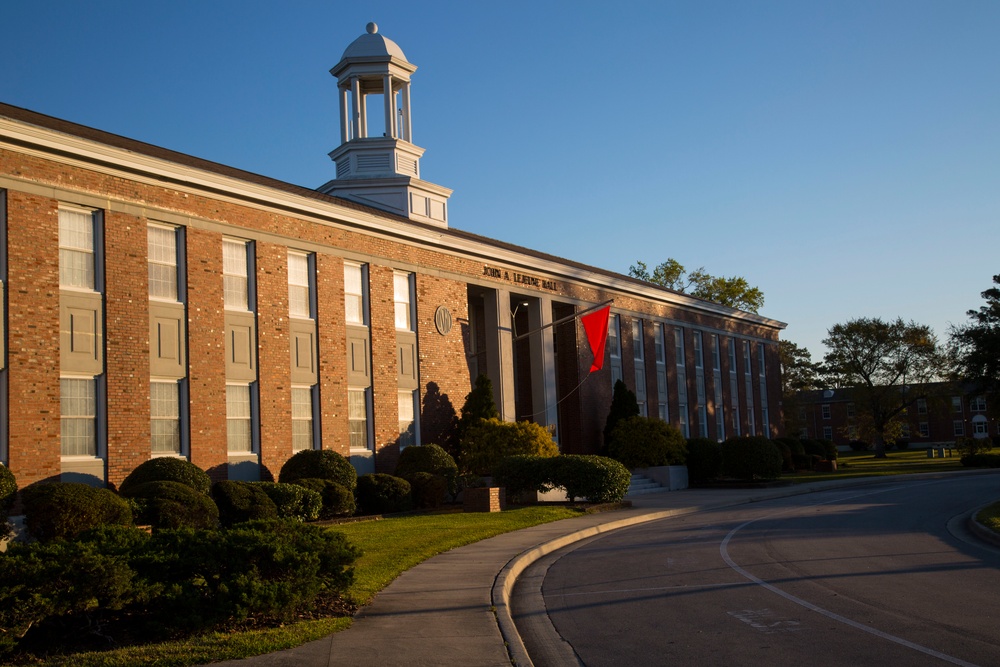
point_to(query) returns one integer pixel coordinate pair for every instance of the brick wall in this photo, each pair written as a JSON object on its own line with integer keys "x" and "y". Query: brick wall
{"x": 331, "y": 336}
{"x": 274, "y": 359}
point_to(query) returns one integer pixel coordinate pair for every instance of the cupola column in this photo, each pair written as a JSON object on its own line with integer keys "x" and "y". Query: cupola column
{"x": 358, "y": 109}
{"x": 390, "y": 107}
{"x": 345, "y": 117}
{"x": 407, "y": 125}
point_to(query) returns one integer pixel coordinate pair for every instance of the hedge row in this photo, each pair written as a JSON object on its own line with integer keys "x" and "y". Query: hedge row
{"x": 597, "y": 478}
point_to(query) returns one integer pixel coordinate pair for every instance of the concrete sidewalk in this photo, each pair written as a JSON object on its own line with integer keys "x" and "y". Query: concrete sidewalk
{"x": 452, "y": 609}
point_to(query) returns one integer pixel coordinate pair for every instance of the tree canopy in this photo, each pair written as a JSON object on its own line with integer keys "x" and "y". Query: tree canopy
{"x": 798, "y": 371}
{"x": 975, "y": 346}
{"x": 734, "y": 292}
{"x": 884, "y": 363}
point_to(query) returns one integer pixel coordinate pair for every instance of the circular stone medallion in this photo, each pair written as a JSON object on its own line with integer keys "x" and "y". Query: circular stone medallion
{"x": 442, "y": 320}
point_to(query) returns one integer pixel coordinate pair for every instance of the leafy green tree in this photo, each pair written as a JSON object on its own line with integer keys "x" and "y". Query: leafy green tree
{"x": 623, "y": 406}
{"x": 734, "y": 292}
{"x": 975, "y": 346}
{"x": 885, "y": 365}
{"x": 798, "y": 373}
{"x": 479, "y": 404}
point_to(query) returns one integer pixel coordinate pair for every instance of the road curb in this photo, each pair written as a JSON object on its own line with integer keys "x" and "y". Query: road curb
{"x": 981, "y": 531}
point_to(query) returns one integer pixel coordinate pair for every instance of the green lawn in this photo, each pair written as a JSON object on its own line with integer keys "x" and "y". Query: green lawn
{"x": 391, "y": 546}
{"x": 864, "y": 464}
{"x": 990, "y": 517}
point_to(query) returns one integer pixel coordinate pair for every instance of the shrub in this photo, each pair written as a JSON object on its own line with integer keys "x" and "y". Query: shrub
{"x": 479, "y": 404}
{"x": 859, "y": 446}
{"x": 8, "y": 491}
{"x": 802, "y": 461}
{"x": 337, "y": 500}
{"x": 599, "y": 479}
{"x": 492, "y": 440}
{"x": 379, "y": 493}
{"x": 902, "y": 444}
{"x": 830, "y": 449}
{"x": 242, "y": 501}
{"x": 168, "y": 469}
{"x": 981, "y": 460}
{"x": 321, "y": 464}
{"x": 428, "y": 458}
{"x": 704, "y": 459}
{"x": 642, "y": 442}
{"x": 967, "y": 446}
{"x": 524, "y": 475}
{"x": 623, "y": 406}
{"x": 427, "y": 489}
{"x": 292, "y": 500}
{"x": 814, "y": 448}
{"x": 787, "y": 464}
{"x": 172, "y": 505}
{"x": 750, "y": 457}
{"x": 66, "y": 509}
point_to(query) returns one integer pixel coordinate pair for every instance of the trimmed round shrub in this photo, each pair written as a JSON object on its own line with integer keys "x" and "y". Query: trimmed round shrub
{"x": 172, "y": 505}
{"x": 643, "y": 442}
{"x": 427, "y": 489}
{"x": 293, "y": 501}
{"x": 242, "y": 501}
{"x": 859, "y": 446}
{"x": 336, "y": 499}
{"x": 379, "y": 493}
{"x": 168, "y": 469}
{"x": 8, "y": 491}
{"x": 599, "y": 479}
{"x": 491, "y": 440}
{"x": 704, "y": 459}
{"x": 321, "y": 464}
{"x": 524, "y": 475}
{"x": 66, "y": 509}
{"x": 428, "y": 458}
{"x": 751, "y": 457}
{"x": 787, "y": 464}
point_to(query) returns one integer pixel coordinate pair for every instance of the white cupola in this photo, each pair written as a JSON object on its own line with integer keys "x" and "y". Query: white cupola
{"x": 377, "y": 162}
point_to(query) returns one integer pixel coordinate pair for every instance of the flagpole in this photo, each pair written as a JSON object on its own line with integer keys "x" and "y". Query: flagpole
{"x": 564, "y": 319}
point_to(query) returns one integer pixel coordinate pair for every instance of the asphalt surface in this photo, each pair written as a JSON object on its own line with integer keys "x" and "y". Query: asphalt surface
{"x": 454, "y": 608}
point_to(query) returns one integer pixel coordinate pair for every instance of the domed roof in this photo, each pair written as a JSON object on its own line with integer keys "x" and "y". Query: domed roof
{"x": 373, "y": 45}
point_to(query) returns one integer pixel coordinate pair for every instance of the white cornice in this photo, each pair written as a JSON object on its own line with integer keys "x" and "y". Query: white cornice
{"x": 100, "y": 157}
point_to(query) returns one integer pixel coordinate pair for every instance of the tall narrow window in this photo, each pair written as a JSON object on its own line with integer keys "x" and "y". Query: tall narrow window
{"x": 354, "y": 294}
{"x": 765, "y": 419}
{"x": 402, "y": 288}
{"x": 748, "y": 381}
{"x": 299, "y": 285}
{"x": 302, "y": 418}
{"x": 162, "y": 262}
{"x": 235, "y": 278}
{"x": 661, "y": 372}
{"x": 720, "y": 422}
{"x": 614, "y": 349}
{"x": 639, "y": 356}
{"x": 165, "y": 420}
{"x": 407, "y": 418}
{"x": 238, "y": 432}
{"x": 682, "y": 394}
{"x": 357, "y": 418}
{"x": 76, "y": 249}
{"x": 78, "y": 416}
{"x": 734, "y": 387}
{"x": 699, "y": 377}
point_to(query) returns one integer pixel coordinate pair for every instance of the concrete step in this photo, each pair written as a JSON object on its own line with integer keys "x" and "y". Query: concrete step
{"x": 641, "y": 484}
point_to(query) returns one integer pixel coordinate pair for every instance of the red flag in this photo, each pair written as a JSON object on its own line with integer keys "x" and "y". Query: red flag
{"x": 596, "y": 326}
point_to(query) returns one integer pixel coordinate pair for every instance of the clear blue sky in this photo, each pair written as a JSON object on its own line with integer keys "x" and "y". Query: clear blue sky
{"x": 841, "y": 155}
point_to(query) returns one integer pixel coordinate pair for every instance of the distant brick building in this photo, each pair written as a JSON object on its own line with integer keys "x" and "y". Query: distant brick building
{"x": 157, "y": 304}
{"x": 948, "y": 412}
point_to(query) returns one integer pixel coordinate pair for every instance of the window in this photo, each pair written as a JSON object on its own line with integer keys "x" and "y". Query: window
{"x": 299, "y": 285}
{"x": 660, "y": 351}
{"x": 905, "y": 430}
{"x": 302, "y": 418}
{"x": 402, "y": 289}
{"x": 734, "y": 387}
{"x": 407, "y": 418}
{"x": 235, "y": 279}
{"x": 165, "y": 417}
{"x": 958, "y": 427}
{"x": 238, "y": 432}
{"x": 765, "y": 419}
{"x": 78, "y": 416}
{"x": 748, "y": 380}
{"x": 720, "y": 422}
{"x": 978, "y": 404}
{"x": 921, "y": 406}
{"x": 354, "y": 294}
{"x": 162, "y": 260}
{"x": 850, "y": 410}
{"x": 682, "y": 397}
{"x": 76, "y": 249}
{"x": 614, "y": 349}
{"x": 828, "y": 433}
{"x": 956, "y": 404}
{"x": 925, "y": 429}
{"x": 357, "y": 417}
{"x": 826, "y": 410}
{"x": 640, "y": 366}
{"x": 699, "y": 380}
{"x": 980, "y": 427}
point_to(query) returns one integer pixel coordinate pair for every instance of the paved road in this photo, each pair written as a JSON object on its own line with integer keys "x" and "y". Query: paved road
{"x": 880, "y": 575}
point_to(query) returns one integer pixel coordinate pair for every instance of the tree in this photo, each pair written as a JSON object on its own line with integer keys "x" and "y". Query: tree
{"x": 623, "y": 406}
{"x": 885, "y": 364}
{"x": 798, "y": 373}
{"x": 734, "y": 292}
{"x": 479, "y": 404}
{"x": 975, "y": 347}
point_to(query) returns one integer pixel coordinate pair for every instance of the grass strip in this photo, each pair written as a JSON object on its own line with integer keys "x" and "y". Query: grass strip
{"x": 864, "y": 464}
{"x": 990, "y": 517}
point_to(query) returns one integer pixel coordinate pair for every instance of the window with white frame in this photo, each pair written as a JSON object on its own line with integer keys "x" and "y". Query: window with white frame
{"x": 660, "y": 351}
{"x": 765, "y": 417}
{"x": 682, "y": 395}
{"x": 407, "y": 401}
{"x": 921, "y": 406}
{"x": 639, "y": 355}
{"x": 850, "y": 410}
{"x": 826, "y": 410}
{"x": 355, "y": 289}
{"x": 905, "y": 430}
{"x": 299, "y": 285}
{"x": 828, "y": 433}
{"x": 978, "y": 404}
{"x": 720, "y": 422}
{"x": 302, "y": 418}
{"x": 357, "y": 418}
{"x": 235, "y": 275}
{"x": 958, "y": 427}
{"x": 956, "y": 404}
{"x": 165, "y": 417}
{"x": 614, "y": 349}
{"x": 699, "y": 380}
{"x": 78, "y": 416}
{"x": 980, "y": 427}
{"x": 238, "y": 418}
{"x": 925, "y": 429}
{"x": 161, "y": 243}
{"x": 402, "y": 297}
{"x": 76, "y": 249}
{"x": 748, "y": 381}
{"x": 734, "y": 387}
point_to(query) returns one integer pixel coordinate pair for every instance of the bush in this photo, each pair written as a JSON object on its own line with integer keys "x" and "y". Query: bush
{"x": 642, "y": 442}
{"x": 524, "y": 475}
{"x": 428, "y": 458}
{"x": 802, "y": 461}
{"x": 787, "y": 463}
{"x": 66, "y": 509}
{"x": 321, "y": 464}
{"x": 704, "y": 459}
{"x": 859, "y": 446}
{"x": 8, "y": 491}
{"x": 830, "y": 449}
{"x": 981, "y": 460}
{"x": 242, "y": 501}
{"x": 971, "y": 446}
{"x": 427, "y": 489}
{"x": 379, "y": 493}
{"x": 168, "y": 469}
{"x": 492, "y": 440}
{"x": 623, "y": 406}
{"x": 599, "y": 479}
{"x": 173, "y": 505}
{"x": 751, "y": 457}
{"x": 479, "y": 405}
{"x": 814, "y": 448}
{"x": 292, "y": 500}
{"x": 337, "y": 500}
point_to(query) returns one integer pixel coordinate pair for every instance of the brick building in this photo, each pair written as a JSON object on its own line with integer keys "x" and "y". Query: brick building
{"x": 946, "y": 411}
{"x": 157, "y": 304}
